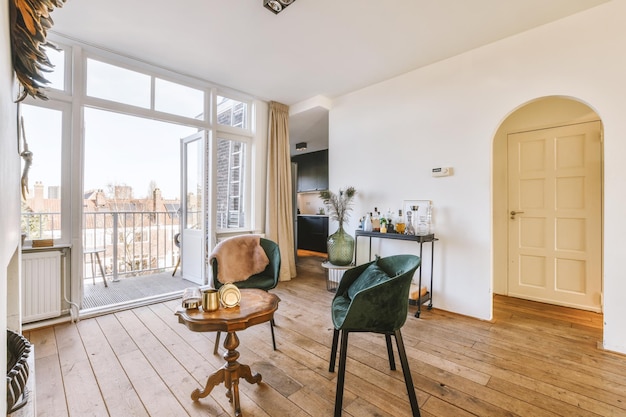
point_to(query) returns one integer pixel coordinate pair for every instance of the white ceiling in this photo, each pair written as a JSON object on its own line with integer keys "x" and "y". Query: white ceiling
{"x": 313, "y": 48}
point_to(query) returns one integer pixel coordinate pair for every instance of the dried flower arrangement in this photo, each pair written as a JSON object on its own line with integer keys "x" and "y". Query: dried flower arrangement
{"x": 339, "y": 205}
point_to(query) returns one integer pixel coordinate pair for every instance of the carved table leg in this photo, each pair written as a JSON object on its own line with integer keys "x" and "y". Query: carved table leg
{"x": 214, "y": 380}
{"x": 232, "y": 370}
{"x": 246, "y": 373}
{"x": 229, "y": 374}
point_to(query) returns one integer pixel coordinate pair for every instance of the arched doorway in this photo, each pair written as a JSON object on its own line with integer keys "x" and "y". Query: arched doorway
{"x": 531, "y": 259}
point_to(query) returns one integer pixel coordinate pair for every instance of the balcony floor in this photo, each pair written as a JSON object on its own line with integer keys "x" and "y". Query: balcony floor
{"x": 131, "y": 288}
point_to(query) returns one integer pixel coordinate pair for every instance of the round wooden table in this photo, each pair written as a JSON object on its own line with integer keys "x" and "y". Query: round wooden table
{"x": 256, "y": 306}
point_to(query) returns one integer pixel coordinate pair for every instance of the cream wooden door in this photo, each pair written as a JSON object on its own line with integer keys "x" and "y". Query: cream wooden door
{"x": 555, "y": 210}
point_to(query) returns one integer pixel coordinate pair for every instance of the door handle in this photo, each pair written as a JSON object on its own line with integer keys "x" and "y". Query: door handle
{"x": 513, "y": 213}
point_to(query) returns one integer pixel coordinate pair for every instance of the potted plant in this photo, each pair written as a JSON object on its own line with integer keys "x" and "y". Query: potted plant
{"x": 340, "y": 245}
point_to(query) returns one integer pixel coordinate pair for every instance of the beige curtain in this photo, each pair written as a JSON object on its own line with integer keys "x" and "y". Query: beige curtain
{"x": 279, "y": 205}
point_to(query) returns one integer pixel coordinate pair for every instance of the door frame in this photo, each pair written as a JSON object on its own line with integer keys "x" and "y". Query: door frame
{"x": 543, "y": 112}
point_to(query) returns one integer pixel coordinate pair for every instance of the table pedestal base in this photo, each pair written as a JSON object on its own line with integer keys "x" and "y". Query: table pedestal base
{"x": 229, "y": 374}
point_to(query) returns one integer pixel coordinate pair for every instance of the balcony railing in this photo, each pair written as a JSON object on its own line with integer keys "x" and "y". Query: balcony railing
{"x": 41, "y": 225}
{"x": 133, "y": 243}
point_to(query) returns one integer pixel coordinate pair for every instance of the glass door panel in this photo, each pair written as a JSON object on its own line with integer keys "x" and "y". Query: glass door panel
{"x": 193, "y": 242}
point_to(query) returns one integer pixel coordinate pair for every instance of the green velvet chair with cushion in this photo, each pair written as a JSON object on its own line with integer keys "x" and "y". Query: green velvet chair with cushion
{"x": 374, "y": 297}
{"x": 265, "y": 280}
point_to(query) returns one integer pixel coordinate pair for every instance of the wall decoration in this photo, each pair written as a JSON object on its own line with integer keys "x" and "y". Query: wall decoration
{"x": 29, "y": 24}
{"x": 27, "y": 155}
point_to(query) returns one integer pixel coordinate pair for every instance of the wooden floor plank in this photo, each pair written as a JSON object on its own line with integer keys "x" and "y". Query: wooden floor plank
{"x": 167, "y": 375}
{"x": 50, "y": 396}
{"x": 438, "y": 407}
{"x": 45, "y": 341}
{"x": 82, "y": 390}
{"x": 541, "y": 400}
{"x": 532, "y": 359}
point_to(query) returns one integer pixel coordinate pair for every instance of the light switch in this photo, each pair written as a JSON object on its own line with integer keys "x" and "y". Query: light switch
{"x": 442, "y": 171}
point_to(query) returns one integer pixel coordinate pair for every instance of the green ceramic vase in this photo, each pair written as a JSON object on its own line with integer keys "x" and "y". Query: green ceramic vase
{"x": 340, "y": 246}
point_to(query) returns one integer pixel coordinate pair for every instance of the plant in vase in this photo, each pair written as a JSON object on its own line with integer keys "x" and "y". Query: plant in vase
{"x": 340, "y": 245}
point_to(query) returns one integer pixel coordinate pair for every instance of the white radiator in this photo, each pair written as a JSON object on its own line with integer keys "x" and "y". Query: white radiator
{"x": 41, "y": 285}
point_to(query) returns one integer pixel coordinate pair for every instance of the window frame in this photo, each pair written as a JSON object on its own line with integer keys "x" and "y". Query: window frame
{"x": 153, "y": 72}
{"x": 74, "y": 99}
{"x": 248, "y": 131}
{"x": 65, "y": 168}
{"x": 67, "y": 76}
{"x": 247, "y": 206}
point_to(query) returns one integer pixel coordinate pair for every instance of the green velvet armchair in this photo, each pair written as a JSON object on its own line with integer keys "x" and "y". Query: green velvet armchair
{"x": 374, "y": 297}
{"x": 266, "y": 280}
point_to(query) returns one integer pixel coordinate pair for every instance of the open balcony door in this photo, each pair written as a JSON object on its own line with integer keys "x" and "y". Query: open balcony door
{"x": 193, "y": 199}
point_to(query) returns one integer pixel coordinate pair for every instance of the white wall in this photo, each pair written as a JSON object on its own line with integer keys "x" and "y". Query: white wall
{"x": 9, "y": 191}
{"x": 384, "y": 140}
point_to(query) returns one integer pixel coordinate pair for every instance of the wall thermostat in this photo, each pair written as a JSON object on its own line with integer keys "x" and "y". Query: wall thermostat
{"x": 442, "y": 172}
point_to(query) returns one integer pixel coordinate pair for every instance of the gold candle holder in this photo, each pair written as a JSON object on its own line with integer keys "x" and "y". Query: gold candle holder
{"x": 210, "y": 300}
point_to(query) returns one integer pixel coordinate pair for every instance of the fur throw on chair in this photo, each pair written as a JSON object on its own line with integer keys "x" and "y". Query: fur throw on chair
{"x": 238, "y": 258}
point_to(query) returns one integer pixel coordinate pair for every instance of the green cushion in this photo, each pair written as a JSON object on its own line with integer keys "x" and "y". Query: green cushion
{"x": 372, "y": 275}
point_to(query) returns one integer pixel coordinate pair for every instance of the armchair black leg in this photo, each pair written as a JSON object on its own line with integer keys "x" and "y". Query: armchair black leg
{"x": 333, "y": 351}
{"x": 342, "y": 373}
{"x": 392, "y": 362}
{"x": 272, "y": 329}
{"x": 408, "y": 380}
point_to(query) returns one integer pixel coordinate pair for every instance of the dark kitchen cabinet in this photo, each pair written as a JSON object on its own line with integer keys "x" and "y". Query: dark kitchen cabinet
{"x": 312, "y": 171}
{"x": 312, "y": 233}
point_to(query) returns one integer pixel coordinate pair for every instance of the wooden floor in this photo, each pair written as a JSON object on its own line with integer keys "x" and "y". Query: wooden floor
{"x": 532, "y": 360}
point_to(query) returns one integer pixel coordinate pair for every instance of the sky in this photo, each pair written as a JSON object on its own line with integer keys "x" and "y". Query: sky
{"x": 119, "y": 150}
{"x": 125, "y": 150}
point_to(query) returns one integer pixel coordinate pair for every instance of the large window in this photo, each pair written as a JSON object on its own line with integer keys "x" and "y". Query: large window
{"x": 121, "y": 85}
{"x": 178, "y": 99}
{"x": 231, "y": 174}
{"x": 132, "y": 154}
{"x": 123, "y": 164}
{"x": 231, "y": 112}
{"x": 56, "y": 78}
{"x": 233, "y": 162}
{"x": 114, "y": 83}
{"x": 42, "y": 172}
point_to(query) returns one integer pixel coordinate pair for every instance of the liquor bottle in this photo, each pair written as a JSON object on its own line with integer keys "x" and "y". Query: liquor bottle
{"x": 423, "y": 225}
{"x": 376, "y": 220}
{"x": 367, "y": 223}
{"x": 390, "y": 222}
{"x": 400, "y": 225}
{"x": 410, "y": 229}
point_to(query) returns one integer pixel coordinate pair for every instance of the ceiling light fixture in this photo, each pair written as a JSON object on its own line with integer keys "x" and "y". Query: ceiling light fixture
{"x": 276, "y": 6}
{"x": 301, "y": 146}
